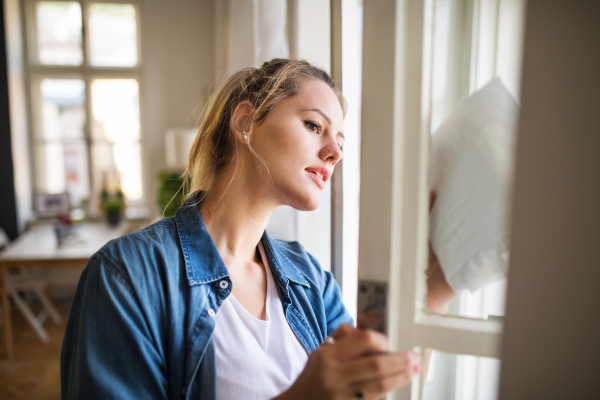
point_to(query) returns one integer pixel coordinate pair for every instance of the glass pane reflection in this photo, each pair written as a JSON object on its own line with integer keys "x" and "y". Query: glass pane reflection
{"x": 59, "y": 32}
{"x": 473, "y": 123}
{"x": 113, "y": 35}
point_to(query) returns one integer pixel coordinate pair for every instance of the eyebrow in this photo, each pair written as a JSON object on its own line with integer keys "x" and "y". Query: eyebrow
{"x": 319, "y": 111}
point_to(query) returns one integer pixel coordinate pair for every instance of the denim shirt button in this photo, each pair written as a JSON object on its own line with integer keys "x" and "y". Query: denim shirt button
{"x": 224, "y": 284}
{"x": 211, "y": 313}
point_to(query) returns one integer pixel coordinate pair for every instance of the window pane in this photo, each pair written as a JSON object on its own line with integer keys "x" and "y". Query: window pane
{"x": 113, "y": 35}
{"x": 63, "y": 108}
{"x": 59, "y": 32}
{"x": 116, "y": 109}
{"x": 116, "y": 130}
{"x": 63, "y": 167}
{"x": 462, "y": 377}
{"x": 76, "y": 171}
{"x": 118, "y": 164}
{"x": 473, "y": 125}
{"x": 129, "y": 165}
{"x": 51, "y": 168}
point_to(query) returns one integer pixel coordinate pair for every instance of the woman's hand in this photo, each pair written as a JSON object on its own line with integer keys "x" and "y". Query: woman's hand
{"x": 355, "y": 366}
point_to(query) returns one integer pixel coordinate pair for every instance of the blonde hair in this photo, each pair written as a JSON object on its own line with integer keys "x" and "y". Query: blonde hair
{"x": 215, "y": 146}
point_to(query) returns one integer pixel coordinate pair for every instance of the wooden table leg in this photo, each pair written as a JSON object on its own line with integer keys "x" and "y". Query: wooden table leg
{"x": 6, "y": 317}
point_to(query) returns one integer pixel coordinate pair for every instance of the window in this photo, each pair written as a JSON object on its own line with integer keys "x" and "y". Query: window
{"x": 404, "y": 97}
{"x": 83, "y": 69}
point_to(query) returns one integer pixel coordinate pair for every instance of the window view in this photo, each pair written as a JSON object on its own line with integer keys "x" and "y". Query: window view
{"x": 86, "y": 145}
{"x": 116, "y": 133}
{"x": 59, "y": 33}
{"x": 61, "y": 151}
{"x": 113, "y": 35}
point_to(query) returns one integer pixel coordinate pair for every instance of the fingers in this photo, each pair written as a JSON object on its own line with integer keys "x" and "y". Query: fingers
{"x": 375, "y": 390}
{"x": 376, "y": 367}
{"x": 343, "y": 330}
{"x": 357, "y": 344}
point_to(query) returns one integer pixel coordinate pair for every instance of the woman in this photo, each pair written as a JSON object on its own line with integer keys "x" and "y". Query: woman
{"x": 206, "y": 305}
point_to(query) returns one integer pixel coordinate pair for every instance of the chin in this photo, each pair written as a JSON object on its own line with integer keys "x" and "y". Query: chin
{"x": 306, "y": 201}
{"x": 314, "y": 205}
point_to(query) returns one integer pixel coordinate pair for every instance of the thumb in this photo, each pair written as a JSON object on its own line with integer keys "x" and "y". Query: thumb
{"x": 343, "y": 331}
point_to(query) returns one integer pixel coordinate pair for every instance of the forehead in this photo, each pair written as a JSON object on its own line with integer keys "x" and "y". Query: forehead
{"x": 315, "y": 90}
{"x": 316, "y": 94}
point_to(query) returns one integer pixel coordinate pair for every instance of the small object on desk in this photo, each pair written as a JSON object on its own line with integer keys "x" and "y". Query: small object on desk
{"x": 63, "y": 229}
{"x": 50, "y": 205}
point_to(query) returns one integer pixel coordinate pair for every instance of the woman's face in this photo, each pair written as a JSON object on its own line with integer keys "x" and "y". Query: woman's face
{"x": 300, "y": 142}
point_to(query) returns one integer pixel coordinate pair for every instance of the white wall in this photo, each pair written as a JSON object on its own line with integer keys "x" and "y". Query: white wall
{"x": 551, "y": 343}
{"x": 312, "y": 40}
{"x": 177, "y": 72}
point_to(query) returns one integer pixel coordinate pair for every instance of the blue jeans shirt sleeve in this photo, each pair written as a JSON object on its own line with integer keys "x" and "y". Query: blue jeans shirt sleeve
{"x": 335, "y": 310}
{"x": 112, "y": 353}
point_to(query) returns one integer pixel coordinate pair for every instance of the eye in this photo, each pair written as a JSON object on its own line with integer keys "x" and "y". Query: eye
{"x": 312, "y": 126}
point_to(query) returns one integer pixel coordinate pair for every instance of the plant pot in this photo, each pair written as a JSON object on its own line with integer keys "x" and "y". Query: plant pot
{"x": 113, "y": 217}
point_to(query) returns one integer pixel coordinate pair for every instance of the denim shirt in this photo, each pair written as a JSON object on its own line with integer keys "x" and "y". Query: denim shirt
{"x": 141, "y": 322}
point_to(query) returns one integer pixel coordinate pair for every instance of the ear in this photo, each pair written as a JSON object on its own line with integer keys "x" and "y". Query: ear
{"x": 240, "y": 121}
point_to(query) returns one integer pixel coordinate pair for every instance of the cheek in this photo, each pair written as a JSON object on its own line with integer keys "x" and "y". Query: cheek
{"x": 285, "y": 147}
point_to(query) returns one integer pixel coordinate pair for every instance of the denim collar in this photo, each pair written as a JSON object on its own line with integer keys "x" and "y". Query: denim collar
{"x": 203, "y": 262}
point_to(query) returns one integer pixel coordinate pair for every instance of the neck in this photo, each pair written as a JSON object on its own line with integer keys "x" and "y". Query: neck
{"x": 236, "y": 214}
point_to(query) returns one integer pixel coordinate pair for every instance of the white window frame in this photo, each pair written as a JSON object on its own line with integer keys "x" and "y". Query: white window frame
{"x": 346, "y": 46}
{"x": 35, "y": 72}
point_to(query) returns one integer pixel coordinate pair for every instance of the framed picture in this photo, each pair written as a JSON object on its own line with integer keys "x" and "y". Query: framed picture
{"x": 50, "y": 205}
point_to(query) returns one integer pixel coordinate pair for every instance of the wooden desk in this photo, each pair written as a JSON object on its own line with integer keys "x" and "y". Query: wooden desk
{"x": 37, "y": 247}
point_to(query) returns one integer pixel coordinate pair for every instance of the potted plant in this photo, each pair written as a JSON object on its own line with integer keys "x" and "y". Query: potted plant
{"x": 170, "y": 197}
{"x": 113, "y": 205}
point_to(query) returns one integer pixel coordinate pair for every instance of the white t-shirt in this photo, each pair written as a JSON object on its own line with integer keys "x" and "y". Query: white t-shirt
{"x": 256, "y": 359}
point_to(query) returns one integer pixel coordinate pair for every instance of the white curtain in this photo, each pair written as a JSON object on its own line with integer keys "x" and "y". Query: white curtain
{"x": 250, "y": 32}
{"x": 256, "y": 33}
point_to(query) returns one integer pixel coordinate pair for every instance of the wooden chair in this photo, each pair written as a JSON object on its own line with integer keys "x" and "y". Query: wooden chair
{"x": 36, "y": 282}
{"x": 23, "y": 282}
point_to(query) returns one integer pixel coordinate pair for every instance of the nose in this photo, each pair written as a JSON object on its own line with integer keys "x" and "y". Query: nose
{"x": 331, "y": 152}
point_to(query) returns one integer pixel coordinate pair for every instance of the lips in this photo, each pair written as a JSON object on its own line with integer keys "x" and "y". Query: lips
{"x": 319, "y": 174}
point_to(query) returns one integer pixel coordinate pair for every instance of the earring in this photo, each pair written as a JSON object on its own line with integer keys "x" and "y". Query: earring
{"x": 245, "y": 137}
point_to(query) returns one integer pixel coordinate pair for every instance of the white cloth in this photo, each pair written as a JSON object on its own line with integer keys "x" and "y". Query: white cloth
{"x": 471, "y": 174}
{"x": 256, "y": 359}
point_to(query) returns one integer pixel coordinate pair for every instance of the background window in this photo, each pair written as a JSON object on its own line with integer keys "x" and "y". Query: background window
{"x": 85, "y": 99}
